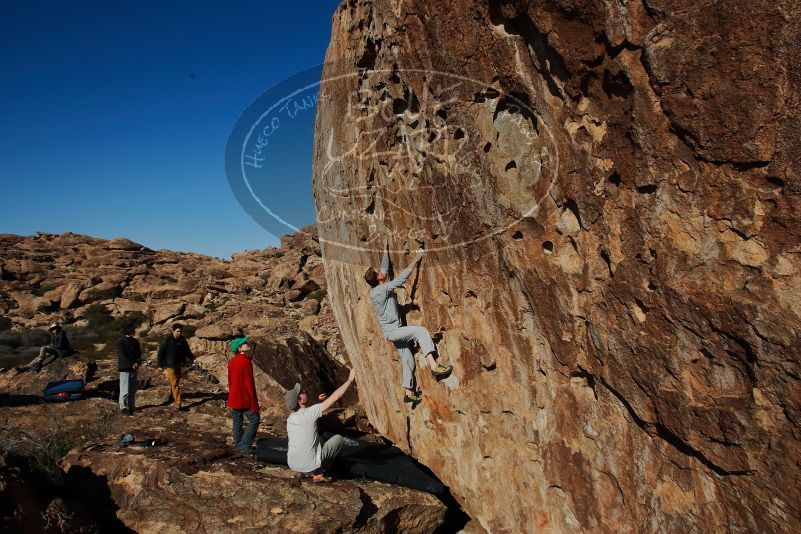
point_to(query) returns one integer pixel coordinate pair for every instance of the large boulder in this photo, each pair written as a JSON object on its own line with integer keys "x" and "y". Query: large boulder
{"x": 29, "y": 304}
{"x": 70, "y": 296}
{"x": 101, "y": 291}
{"x": 610, "y": 195}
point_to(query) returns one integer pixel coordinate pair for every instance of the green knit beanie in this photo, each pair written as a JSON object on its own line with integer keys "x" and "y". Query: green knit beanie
{"x": 238, "y": 342}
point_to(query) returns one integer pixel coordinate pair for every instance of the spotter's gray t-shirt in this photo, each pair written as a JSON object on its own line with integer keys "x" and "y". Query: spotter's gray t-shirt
{"x": 303, "y": 452}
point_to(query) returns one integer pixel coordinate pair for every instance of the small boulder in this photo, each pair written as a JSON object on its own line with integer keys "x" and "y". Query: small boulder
{"x": 101, "y": 291}
{"x": 121, "y": 243}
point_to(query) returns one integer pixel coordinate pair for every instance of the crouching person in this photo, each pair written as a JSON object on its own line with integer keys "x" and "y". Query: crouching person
{"x": 242, "y": 397}
{"x": 306, "y": 454}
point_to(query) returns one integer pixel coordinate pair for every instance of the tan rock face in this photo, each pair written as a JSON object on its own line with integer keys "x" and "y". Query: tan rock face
{"x": 610, "y": 196}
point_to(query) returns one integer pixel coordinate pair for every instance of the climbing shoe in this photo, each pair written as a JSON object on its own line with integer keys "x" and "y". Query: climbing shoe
{"x": 320, "y": 478}
{"x": 442, "y": 371}
{"x": 414, "y": 399}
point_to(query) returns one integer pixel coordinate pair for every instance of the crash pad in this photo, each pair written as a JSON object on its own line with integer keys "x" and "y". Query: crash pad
{"x": 364, "y": 459}
{"x": 64, "y": 390}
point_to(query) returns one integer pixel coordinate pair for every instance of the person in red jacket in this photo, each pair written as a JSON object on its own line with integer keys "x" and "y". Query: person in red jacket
{"x": 242, "y": 397}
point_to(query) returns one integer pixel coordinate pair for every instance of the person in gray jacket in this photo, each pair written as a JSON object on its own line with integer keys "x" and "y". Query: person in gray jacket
{"x": 382, "y": 295}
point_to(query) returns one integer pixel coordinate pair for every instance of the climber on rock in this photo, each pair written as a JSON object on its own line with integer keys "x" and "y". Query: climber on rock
{"x": 382, "y": 294}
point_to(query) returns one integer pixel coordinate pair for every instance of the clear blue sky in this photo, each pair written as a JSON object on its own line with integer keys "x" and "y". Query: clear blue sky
{"x": 114, "y": 116}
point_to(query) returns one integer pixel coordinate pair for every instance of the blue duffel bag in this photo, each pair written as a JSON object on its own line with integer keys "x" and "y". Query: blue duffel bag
{"x": 64, "y": 390}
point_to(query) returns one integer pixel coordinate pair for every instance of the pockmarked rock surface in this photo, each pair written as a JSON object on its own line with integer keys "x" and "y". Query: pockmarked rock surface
{"x": 609, "y": 193}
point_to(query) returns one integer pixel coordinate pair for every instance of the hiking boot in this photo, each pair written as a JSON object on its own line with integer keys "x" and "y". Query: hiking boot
{"x": 250, "y": 451}
{"x": 414, "y": 398}
{"x": 442, "y": 371}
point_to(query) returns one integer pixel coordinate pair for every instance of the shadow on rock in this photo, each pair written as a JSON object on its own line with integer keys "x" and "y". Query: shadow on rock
{"x": 93, "y": 492}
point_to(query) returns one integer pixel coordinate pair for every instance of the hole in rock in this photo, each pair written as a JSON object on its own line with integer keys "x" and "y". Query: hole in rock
{"x": 517, "y": 235}
{"x": 371, "y": 208}
{"x": 511, "y": 165}
{"x": 458, "y": 134}
{"x": 442, "y": 114}
{"x": 651, "y": 285}
{"x": 648, "y": 189}
{"x": 572, "y": 206}
{"x": 617, "y": 84}
{"x": 547, "y": 247}
{"x": 487, "y": 147}
{"x": 517, "y": 103}
{"x": 549, "y": 62}
{"x": 614, "y": 179}
{"x": 367, "y": 60}
{"x": 432, "y": 137}
{"x": 608, "y": 260}
{"x": 479, "y": 97}
{"x": 414, "y": 103}
{"x": 775, "y": 180}
{"x": 414, "y": 125}
{"x": 399, "y": 105}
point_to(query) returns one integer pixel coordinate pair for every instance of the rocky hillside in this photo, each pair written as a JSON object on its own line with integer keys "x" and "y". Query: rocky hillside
{"x": 609, "y": 192}
{"x": 92, "y": 285}
{"x": 62, "y": 468}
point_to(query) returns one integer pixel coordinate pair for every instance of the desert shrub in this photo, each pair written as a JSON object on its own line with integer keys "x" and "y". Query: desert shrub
{"x": 28, "y": 338}
{"x": 35, "y": 338}
{"x": 97, "y": 316}
{"x": 189, "y": 330}
{"x": 45, "y": 447}
{"x": 12, "y": 340}
{"x": 317, "y": 295}
{"x": 211, "y": 306}
{"x": 127, "y": 320}
{"x": 41, "y": 290}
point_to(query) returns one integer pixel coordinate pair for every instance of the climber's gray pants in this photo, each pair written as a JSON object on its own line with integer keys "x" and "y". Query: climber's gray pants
{"x": 403, "y": 339}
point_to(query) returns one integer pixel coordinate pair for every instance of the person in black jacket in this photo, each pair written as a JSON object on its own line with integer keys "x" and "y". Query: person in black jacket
{"x": 173, "y": 354}
{"x": 59, "y": 347}
{"x": 129, "y": 357}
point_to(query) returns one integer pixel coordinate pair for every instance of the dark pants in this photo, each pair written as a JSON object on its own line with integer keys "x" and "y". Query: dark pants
{"x": 243, "y": 441}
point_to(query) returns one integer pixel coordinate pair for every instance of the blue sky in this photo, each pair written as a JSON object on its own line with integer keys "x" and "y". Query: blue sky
{"x": 114, "y": 116}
